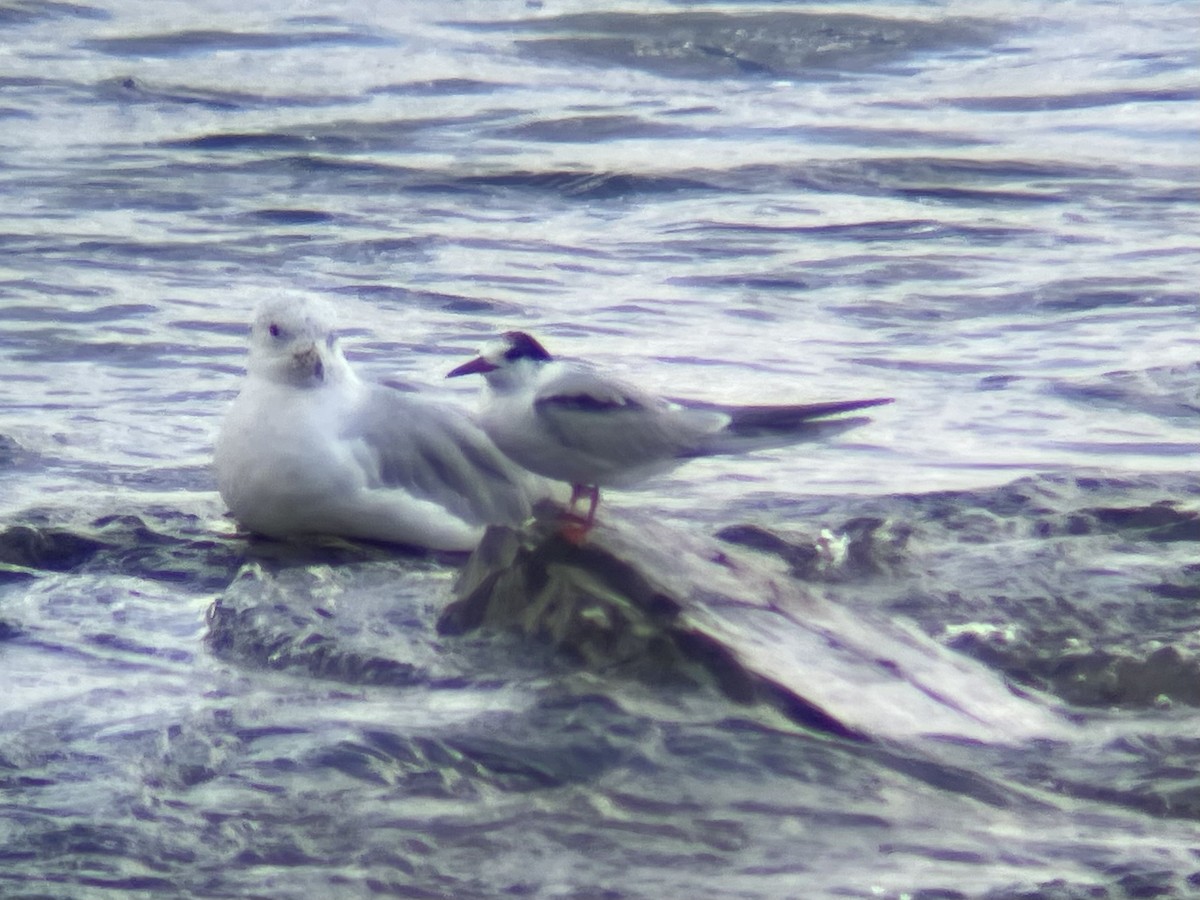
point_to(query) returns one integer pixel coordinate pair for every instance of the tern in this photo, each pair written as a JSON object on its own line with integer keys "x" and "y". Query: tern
{"x": 569, "y": 421}
{"x": 309, "y": 448}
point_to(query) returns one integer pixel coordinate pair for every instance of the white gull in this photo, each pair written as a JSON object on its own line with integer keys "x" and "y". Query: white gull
{"x": 309, "y": 448}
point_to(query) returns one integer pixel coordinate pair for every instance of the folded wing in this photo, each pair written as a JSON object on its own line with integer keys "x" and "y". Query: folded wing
{"x": 620, "y": 431}
{"x": 438, "y": 453}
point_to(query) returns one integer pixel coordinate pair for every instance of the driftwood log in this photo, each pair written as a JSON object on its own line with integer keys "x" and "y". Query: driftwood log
{"x": 639, "y": 595}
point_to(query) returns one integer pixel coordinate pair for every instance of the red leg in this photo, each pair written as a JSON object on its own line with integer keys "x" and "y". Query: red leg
{"x": 574, "y": 526}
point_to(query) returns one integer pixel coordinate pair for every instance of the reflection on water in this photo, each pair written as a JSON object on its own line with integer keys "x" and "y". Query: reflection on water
{"x": 986, "y": 212}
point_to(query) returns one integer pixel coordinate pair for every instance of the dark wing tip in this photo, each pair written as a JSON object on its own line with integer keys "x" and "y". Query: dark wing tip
{"x": 786, "y": 418}
{"x": 820, "y": 410}
{"x": 876, "y": 401}
{"x": 523, "y": 346}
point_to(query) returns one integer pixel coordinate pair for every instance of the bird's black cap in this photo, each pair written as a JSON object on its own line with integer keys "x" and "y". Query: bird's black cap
{"x": 522, "y": 346}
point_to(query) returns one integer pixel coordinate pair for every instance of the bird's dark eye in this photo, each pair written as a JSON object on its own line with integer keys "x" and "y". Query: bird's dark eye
{"x": 275, "y": 330}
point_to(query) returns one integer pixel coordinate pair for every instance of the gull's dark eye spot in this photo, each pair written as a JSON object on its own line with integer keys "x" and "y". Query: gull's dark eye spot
{"x": 275, "y": 330}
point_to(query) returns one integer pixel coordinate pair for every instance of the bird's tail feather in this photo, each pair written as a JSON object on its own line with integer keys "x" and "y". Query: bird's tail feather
{"x": 763, "y": 427}
{"x": 757, "y": 419}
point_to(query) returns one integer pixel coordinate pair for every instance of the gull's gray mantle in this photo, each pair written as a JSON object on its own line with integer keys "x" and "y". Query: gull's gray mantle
{"x": 639, "y": 596}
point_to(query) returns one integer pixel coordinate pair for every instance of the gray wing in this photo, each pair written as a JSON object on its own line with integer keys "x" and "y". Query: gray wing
{"x": 438, "y": 453}
{"x": 617, "y": 425}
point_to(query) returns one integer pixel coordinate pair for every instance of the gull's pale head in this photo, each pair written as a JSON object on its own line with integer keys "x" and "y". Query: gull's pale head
{"x": 293, "y": 341}
{"x": 510, "y": 360}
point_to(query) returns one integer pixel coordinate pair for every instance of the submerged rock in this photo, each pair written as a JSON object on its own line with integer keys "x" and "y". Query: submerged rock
{"x": 347, "y": 623}
{"x": 862, "y": 547}
{"x": 641, "y": 597}
{"x": 45, "y": 548}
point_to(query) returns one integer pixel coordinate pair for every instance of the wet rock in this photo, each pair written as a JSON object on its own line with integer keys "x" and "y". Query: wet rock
{"x": 1066, "y": 583}
{"x": 50, "y": 549}
{"x": 291, "y": 620}
{"x": 159, "y": 545}
{"x": 638, "y": 597}
{"x": 1103, "y": 678}
{"x": 277, "y": 638}
{"x": 1161, "y": 522}
{"x": 861, "y": 547}
{"x": 364, "y": 622}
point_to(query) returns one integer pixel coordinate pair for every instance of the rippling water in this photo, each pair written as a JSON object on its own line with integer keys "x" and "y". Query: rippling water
{"x": 986, "y": 210}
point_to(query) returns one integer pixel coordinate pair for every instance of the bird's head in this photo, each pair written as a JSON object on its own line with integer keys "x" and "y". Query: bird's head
{"x": 293, "y": 341}
{"x": 506, "y": 362}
